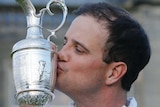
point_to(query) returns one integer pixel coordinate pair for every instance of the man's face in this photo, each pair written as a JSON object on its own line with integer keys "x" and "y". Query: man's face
{"x": 80, "y": 66}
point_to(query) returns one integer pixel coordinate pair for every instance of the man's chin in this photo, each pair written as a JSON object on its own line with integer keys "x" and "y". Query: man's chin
{"x": 57, "y": 87}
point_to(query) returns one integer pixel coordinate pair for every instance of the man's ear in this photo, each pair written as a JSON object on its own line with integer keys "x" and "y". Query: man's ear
{"x": 115, "y": 72}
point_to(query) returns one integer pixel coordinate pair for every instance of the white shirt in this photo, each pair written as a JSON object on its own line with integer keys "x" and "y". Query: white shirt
{"x": 131, "y": 102}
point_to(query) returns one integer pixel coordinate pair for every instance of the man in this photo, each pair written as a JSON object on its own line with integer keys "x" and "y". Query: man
{"x": 104, "y": 51}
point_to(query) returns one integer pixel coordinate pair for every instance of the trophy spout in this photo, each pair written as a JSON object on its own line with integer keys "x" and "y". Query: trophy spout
{"x": 27, "y": 6}
{"x": 34, "y": 22}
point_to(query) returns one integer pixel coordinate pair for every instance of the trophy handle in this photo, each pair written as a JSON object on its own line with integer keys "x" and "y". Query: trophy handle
{"x": 61, "y": 4}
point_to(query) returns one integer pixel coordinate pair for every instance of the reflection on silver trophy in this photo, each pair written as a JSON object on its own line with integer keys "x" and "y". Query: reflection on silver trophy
{"x": 35, "y": 59}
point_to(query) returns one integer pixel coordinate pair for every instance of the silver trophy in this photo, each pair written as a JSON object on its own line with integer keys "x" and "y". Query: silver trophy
{"x": 35, "y": 58}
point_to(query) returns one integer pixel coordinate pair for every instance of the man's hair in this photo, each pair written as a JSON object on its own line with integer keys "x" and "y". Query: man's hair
{"x": 127, "y": 41}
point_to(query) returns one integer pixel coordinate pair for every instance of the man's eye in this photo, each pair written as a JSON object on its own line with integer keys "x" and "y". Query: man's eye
{"x": 79, "y": 49}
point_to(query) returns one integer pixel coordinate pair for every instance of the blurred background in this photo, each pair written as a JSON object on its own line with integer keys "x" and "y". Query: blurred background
{"x": 13, "y": 28}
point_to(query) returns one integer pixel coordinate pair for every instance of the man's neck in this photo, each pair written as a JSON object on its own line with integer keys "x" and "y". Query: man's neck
{"x": 109, "y": 99}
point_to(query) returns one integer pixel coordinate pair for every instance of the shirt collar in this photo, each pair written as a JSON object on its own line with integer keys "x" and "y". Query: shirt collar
{"x": 131, "y": 102}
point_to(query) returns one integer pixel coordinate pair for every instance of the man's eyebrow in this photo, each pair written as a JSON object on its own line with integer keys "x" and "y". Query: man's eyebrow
{"x": 78, "y": 43}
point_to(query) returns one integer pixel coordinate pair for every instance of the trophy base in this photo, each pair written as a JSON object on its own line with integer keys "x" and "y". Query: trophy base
{"x": 37, "y": 98}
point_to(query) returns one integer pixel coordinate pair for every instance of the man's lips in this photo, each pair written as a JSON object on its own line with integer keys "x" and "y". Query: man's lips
{"x": 59, "y": 68}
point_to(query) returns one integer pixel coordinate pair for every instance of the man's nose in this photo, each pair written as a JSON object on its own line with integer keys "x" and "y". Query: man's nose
{"x": 63, "y": 55}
